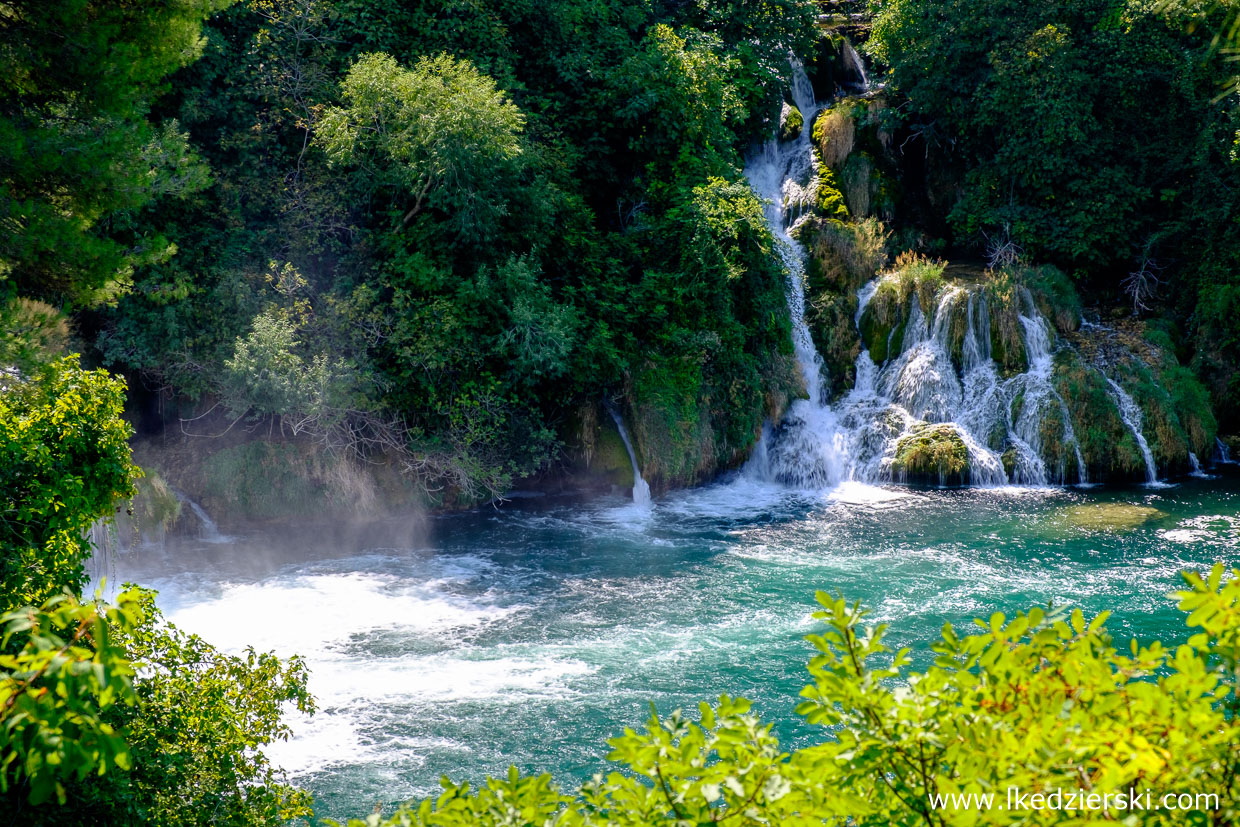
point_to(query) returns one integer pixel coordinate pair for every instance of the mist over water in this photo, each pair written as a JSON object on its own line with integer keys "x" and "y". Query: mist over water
{"x": 531, "y": 633}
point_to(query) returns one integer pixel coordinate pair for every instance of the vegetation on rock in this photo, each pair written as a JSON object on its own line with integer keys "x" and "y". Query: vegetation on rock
{"x": 932, "y": 454}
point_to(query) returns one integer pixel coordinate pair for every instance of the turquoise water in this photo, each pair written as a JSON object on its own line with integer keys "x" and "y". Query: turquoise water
{"x": 531, "y": 633}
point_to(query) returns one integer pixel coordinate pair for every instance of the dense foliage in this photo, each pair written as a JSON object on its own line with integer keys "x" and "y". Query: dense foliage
{"x": 450, "y": 231}
{"x": 1095, "y": 134}
{"x": 78, "y": 154}
{"x": 497, "y": 213}
{"x": 64, "y": 461}
{"x": 108, "y": 714}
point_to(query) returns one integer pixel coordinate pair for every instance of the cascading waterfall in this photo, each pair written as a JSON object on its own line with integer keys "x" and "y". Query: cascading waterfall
{"x": 1130, "y": 413}
{"x": 641, "y": 488}
{"x": 819, "y": 445}
{"x": 785, "y": 176}
{"x": 855, "y": 64}
{"x": 1222, "y": 454}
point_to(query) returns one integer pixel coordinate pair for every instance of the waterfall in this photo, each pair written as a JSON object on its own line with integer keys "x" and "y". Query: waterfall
{"x": 1222, "y": 454}
{"x": 641, "y": 488}
{"x": 210, "y": 532}
{"x": 1194, "y": 465}
{"x": 1130, "y": 412}
{"x": 818, "y": 444}
{"x": 785, "y": 176}
{"x": 855, "y": 64}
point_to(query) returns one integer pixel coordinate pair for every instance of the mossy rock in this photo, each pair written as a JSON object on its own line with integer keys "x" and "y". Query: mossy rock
{"x": 1057, "y": 454}
{"x": 1008, "y": 458}
{"x": 957, "y": 331}
{"x": 1055, "y": 296}
{"x": 1160, "y": 425}
{"x": 1109, "y": 517}
{"x": 835, "y": 134}
{"x": 830, "y": 202}
{"x": 830, "y": 320}
{"x": 857, "y": 182}
{"x": 882, "y": 336}
{"x": 790, "y": 123}
{"x": 933, "y": 455}
{"x": 609, "y": 458}
{"x": 844, "y": 255}
{"x": 1107, "y": 445}
{"x": 884, "y": 320}
{"x": 1007, "y": 338}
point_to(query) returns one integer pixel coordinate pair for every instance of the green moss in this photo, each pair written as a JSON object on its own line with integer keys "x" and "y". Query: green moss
{"x": 1160, "y": 425}
{"x": 791, "y": 124}
{"x": 843, "y": 256}
{"x": 1009, "y": 462}
{"x": 1007, "y": 343}
{"x": 830, "y": 320}
{"x": 1187, "y": 396}
{"x": 835, "y": 133}
{"x": 1109, "y": 517}
{"x": 1058, "y": 455}
{"x": 856, "y": 182}
{"x": 933, "y": 454}
{"x": 957, "y": 330}
{"x": 1055, "y": 296}
{"x": 883, "y": 322}
{"x": 609, "y": 458}
{"x": 830, "y": 202}
{"x": 1106, "y": 444}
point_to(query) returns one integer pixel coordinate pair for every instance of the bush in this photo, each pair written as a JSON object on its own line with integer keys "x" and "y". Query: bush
{"x": 64, "y": 462}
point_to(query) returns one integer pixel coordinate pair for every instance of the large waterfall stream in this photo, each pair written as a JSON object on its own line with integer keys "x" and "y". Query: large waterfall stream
{"x": 822, "y": 443}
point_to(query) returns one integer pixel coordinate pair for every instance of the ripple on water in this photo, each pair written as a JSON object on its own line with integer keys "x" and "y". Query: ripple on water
{"x": 530, "y": 634}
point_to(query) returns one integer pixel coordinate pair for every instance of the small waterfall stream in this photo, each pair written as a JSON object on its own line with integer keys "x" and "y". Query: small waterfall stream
{"x": 1222, "y": 454}
{"x": 641, "y": 488}
{"x": 1130, "y": 412}
{"x": 855, "y": 65}
{"x": 210, "y": 531}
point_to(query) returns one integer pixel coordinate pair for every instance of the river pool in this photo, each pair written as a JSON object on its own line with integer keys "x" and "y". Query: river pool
{"x": 529, "y": 634}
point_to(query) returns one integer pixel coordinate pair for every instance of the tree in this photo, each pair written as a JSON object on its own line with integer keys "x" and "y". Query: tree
{"x": 439, "y": 136}
{"x": 77, "y": 152}
{"x": 61, "y": 672}
{"x": 109, "y": 715}
{"x": 64, "y": 462}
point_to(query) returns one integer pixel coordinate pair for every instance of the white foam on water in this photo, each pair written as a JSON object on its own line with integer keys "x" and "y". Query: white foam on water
{"x": 327, "y": 618}
{"x": 307, "y": 614}
{"x": 860, "y": 493}
{"x": 1184, "y": 535}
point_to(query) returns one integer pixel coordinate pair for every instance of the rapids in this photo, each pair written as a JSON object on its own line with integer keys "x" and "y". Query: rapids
{"x": 531, "y": 633}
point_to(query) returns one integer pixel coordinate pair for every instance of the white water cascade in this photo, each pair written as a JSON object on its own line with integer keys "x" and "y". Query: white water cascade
{"x": 1222, "y": 454}
{"x": 1130, "y": 413}
{"x": 210, "y": 531}
{"x": 641, "y": 488}
{"x": 818, "y": 445}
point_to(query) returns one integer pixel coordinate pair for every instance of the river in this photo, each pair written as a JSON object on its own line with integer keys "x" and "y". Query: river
{"x": 530, "y": 633}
